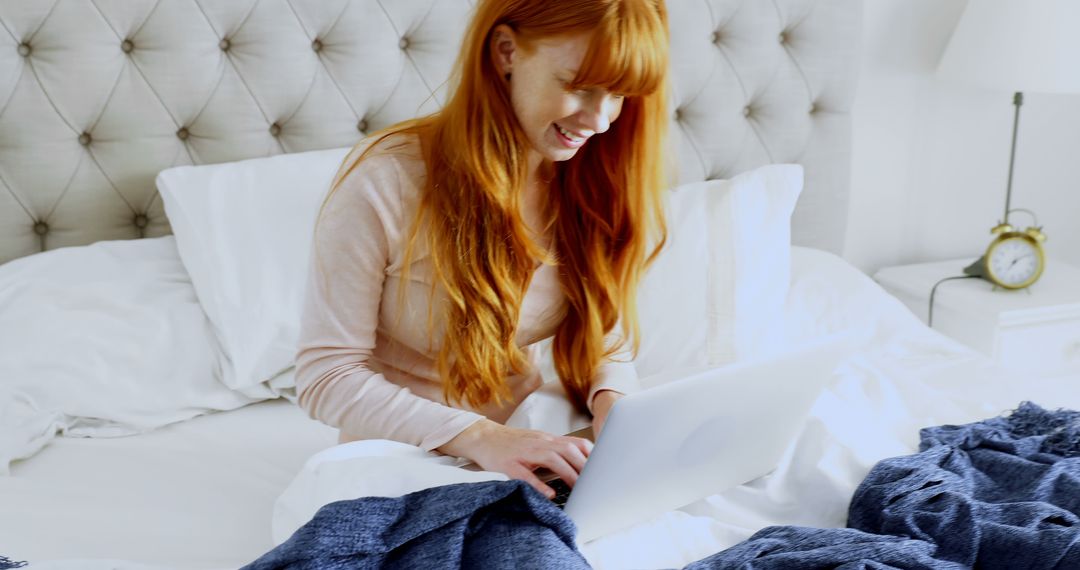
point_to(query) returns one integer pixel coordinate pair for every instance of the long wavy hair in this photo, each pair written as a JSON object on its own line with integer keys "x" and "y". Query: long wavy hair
{"x": 606, "y": 202}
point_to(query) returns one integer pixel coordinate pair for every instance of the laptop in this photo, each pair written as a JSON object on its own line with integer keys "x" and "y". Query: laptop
{"x": 667, "y": 446}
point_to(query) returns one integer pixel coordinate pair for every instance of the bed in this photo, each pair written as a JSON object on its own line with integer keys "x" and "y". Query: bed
{"x": 200, "y": 469}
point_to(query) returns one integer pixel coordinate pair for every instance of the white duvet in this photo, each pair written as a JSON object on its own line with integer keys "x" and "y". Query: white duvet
{"x": 907, "y": 378}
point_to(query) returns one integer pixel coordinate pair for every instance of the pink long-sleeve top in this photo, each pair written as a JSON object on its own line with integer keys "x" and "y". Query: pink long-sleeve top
{"x": 366, "y": 367}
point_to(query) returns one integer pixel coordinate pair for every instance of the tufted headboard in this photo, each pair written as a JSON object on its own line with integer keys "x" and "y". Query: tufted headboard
{"x": 98, "y": 96}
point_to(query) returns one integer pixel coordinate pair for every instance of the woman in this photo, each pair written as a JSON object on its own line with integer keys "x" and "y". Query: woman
{"x": 528, "y": 207}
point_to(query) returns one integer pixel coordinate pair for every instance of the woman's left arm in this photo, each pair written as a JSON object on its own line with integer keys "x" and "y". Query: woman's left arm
{"x": 602, "y": 403}
{"x": 614, "y": 379}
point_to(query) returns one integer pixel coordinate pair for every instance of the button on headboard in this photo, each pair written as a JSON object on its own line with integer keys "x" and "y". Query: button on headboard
{"x": 97, "y": 97}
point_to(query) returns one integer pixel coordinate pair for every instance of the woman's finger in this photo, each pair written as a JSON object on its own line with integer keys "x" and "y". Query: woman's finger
{"x": 573, "y": 455}
{"x": 560, "y": 466}
{"x": 520, "y": 472}
{"x": 583, "y": 444}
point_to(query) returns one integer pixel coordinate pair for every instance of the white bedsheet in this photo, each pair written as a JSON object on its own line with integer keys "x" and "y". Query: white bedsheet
{"x": 217, "y": 491}
{"x": 197, "y": 494}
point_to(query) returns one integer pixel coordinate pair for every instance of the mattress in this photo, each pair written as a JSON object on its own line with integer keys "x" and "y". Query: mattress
{"x": 197, "y": 494}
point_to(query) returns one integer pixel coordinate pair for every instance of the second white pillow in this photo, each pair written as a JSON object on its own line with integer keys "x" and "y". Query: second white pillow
{"x": 750, "y": 260}
{"x": 716, "y": 292}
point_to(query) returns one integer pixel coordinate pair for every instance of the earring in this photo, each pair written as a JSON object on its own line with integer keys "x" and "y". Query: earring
{"x": 507, "y": 77}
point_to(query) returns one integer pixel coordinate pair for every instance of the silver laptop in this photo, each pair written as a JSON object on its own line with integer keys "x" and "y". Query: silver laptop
{"x": 670, "y": 445}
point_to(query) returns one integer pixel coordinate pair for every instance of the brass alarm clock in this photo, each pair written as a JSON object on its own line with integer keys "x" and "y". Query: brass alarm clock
{"x": 1014, "y": 259}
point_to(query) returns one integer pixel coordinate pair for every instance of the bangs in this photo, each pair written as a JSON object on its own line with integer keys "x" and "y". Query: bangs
{"x": 628, "y": 52}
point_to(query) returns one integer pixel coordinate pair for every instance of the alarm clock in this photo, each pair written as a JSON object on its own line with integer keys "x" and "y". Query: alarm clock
{"x": 1013, "y": 260}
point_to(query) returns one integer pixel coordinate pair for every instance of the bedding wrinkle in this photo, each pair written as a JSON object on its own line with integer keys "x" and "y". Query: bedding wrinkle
{"x": 366, "y": 365}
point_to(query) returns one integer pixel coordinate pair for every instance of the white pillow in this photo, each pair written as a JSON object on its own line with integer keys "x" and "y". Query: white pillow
{"x": 244, "y": 233}
{"x": 716, "y": 292}
{"x": 102, "y": 340}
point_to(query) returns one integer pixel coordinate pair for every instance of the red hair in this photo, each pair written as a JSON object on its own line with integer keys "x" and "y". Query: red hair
{"x": 608, "y": 222}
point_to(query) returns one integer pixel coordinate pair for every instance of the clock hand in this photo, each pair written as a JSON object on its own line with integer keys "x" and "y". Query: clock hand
{"x": 1025, "y": 256}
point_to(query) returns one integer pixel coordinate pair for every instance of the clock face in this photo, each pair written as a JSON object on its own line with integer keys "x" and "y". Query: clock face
{"x": 1015, "y": 261}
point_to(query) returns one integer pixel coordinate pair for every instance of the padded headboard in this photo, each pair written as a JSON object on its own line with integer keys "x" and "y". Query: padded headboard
{"x": 98, "y": 96}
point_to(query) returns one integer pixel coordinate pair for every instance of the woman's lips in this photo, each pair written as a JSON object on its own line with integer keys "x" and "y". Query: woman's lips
{"x": 568, "y": 143}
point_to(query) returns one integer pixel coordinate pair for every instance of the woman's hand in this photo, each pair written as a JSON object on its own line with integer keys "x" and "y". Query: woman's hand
{"x": 602, "y": 403}
{"x": 517, "y": 452}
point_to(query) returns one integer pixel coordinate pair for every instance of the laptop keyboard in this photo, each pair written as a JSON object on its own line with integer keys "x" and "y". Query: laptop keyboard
{"x": 562, "y": 492}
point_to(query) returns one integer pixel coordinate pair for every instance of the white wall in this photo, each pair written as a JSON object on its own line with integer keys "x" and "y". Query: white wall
{"x": 931, "y": 158}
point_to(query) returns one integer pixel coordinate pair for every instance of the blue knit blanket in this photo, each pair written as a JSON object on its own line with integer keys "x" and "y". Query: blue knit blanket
{"x": 1001, "y": 493}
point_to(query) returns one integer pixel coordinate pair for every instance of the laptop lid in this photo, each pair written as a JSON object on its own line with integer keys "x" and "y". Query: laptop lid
{"x": 667, "y": 446}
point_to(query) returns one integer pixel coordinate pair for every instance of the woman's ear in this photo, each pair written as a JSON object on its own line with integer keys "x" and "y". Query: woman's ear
{"x": 503, "y": 48}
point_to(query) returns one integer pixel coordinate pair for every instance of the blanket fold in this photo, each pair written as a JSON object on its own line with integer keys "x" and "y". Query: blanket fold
{"x": 493, "y": 524}
{"x": 6, "y": 563}
{"x": 1000, "y": 493}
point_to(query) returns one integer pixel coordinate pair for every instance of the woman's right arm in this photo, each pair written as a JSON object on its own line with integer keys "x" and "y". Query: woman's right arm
{"x": 349, "y": 256}
{"x": 336, "y": 385}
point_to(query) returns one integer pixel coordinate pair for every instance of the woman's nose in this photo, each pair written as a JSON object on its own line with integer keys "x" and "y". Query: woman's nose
{"x": 597, "y": 114}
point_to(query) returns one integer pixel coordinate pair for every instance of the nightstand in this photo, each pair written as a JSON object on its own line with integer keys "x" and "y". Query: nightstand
{"x": 1034, "y": 330}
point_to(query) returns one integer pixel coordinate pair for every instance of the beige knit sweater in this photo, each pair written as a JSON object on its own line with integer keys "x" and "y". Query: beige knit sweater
{"x": 365, "y": 367}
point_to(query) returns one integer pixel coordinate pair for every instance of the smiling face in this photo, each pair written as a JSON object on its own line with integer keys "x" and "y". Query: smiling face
{"x": 556, "y": 119}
